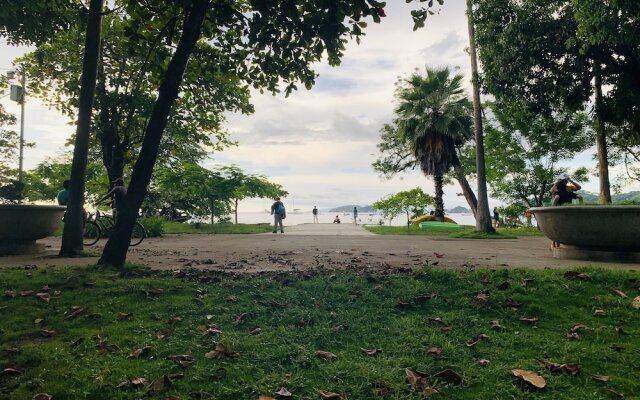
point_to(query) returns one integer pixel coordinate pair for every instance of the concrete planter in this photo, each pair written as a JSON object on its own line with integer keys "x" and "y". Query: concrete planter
{"x": 22, "y": 224}
{"x": 593, "y": 232}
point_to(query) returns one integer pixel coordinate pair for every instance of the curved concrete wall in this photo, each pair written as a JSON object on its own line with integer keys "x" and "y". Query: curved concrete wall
{"x": 27, "y": 222}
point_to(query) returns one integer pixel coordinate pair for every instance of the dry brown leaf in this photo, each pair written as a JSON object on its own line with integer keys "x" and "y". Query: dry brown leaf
{"x": 48, "y": 332}
{"x": 578, "y": 327}
{"x": 571, "y": 369}
{"x": 420, "y": 381}
{"x": 574, "y": 275}
{"x": 213, "y": 330}
{"x": 529, "y": 320}
{"x": 504, "y": 285}
{"x": 326, "y": 355}
{"x": 173, "y": 319}
{"x": 46, "y": 297}
{"x": 139, "y": 381}
{"x": 474, "y": 340}
{"x": 434, "y": 350}
{"x": 530, "y": 377}
{"x": 599, "y": 312}
{"x": 163, "y": 334}
{"x": 325, "y": 394}
{"x": 370, "y": 353}
{"x": 239, "y": 318}
{"x": 42, "y": 396}
{"x": 10, "y": 371}
{"x": 255, "y": 331}
{"x": 636, "y": 303}
{"x": 137, "y": 353}
{"x": 75, "y": 311}
{"x": 619, "y": 293}
{"x": 512, "y": 303}
{"x": 449, "y": 376}
{"x": 123, "y": 316}
{"x": 38, "y": 321}
{"x": 484, "y": 361}
{"x": 155, "y": 291}
{"x": 221, "y": 352}
{"x": 283, "y": 392}
{"x": 495, "y": 324}
{"x": 618, "y": 394}
{"x": 600, "y": 378}
{"x": 183, "y": 360}
{"x": 159, "y": 384}
{"x": 481, "y": 297}
{"x": 27, "y": 292}
{"x": 263, "y": 397}
{"x": 10, "y": 293}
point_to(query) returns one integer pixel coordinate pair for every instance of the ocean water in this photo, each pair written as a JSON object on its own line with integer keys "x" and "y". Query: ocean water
{"x": 327, "y": 218}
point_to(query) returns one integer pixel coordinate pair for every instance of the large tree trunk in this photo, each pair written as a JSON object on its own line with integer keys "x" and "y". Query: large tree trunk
{"x": 467, "y": 191}
{"x": 601, "y": 140}
{"x": 483, "y": 217}
{"x": 115, "y": 251}
{"x": 439, "y": 212}
{"x": 74, "y": 219}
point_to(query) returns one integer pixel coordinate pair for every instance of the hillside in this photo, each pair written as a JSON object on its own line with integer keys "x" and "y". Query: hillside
{"x": 589, "y": 197}
{"x": 349, "y": 208}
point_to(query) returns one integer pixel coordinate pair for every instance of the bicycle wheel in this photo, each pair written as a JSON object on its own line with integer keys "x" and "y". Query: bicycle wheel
{"x": 91, "y": 234}
{"x": 106, "y": 224}
{"x": 138, "y": 234}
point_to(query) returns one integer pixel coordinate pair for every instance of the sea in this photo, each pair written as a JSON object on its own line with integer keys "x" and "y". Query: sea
{"x": 298, "y": 218}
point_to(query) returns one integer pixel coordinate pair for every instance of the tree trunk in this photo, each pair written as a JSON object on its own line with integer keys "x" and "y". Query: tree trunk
{"x": 115, "y": 251}
{"x": 467, "y": 191}
{"x": 601, "y": 140}
{"x": 236, "y": 211}
{"x": 483, "y": 217}
{"x": 74, "y": 219}
{"x": 439, "y": 212}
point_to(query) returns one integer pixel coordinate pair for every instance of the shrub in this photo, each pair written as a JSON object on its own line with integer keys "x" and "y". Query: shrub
{"x": 153, "y": 225}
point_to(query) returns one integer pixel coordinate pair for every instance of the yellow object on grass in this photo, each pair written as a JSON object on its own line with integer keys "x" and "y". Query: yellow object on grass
{"x": 424, "y": 218}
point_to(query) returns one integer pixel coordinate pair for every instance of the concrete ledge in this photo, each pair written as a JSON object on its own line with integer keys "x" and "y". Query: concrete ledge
{"x": 9, "y": 249}
{"x": 580, "y": 253}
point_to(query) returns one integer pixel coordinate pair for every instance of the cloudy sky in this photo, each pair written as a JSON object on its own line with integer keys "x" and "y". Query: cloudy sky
{"x": 320, "y": 144}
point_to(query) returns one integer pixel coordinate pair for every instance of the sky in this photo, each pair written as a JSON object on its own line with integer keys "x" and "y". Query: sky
{"x": 320, "y": 144}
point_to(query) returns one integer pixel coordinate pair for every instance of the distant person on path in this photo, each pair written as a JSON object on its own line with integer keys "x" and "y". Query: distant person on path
{"x": 355, "y": 215}
{"x": 315, "y": 215}
{"x": 562, "y": 192}
{"x": 279, "y": 213}
{"x": 63, "y": 195}
{"x": 336, "y": 220}
{"x": 496, "y": 217}
{"x": 117, "y": 195}
{"x": 527, "y": 216}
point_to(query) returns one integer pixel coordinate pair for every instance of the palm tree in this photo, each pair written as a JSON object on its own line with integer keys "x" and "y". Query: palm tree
{"x": 434, "y": 117}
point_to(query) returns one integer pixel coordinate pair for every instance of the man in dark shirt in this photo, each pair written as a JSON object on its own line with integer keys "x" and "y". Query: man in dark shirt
{"x": 118, "y": 193}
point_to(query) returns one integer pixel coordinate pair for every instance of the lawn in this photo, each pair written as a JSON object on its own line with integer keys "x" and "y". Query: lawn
{"x": 87, "y": 334}
{"x": 226, "y": 228}
{"x": 469, "y": 233}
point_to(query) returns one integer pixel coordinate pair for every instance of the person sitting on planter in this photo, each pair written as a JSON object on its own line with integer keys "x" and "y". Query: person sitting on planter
{"x": 562, "y": 192}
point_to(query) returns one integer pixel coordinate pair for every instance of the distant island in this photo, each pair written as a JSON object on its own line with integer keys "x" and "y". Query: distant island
{"x": 349, "y": 208}
{"x": 459, "y": 210}
{"x": 629, "y": 197}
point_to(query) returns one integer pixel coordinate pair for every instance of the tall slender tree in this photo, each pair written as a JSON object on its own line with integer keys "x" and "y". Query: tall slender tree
{"x": 433, "y": 117}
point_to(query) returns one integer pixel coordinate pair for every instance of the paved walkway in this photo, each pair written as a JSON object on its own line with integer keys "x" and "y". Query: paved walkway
{"x": 327, "y": 230}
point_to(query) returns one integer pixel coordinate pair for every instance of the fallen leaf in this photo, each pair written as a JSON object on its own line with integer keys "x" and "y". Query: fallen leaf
{"x": 44, "y": 297}
{"x": 213, "y": 330}
{"x": 137, "y": 353}
{"x": 420, "y": 381}
{"x": 329, "y": 395}
{"x": 619, "y": 394}
{"x": 578, "y": 327}
{"x": 571, "y": 369}
{"x": 600, "y": 378}
{"x": 449, "y": 376}
{"x": 573, "y": 335}
{"x": 530, "y": 377}
{"x": 123, "y": 316}
{"x": 38, "y": 321}
{"x": 10, "y": 371}
{"x": 617, "y": 348}
{"x": 183, "y": 360}
{"x": 481, "y": 297}
{"x": 24, "y": 293}
{"x": 265, "y": 398}
{"x": 326, "y": 355}
{"x": 176, "y": 376}
{"x": 255, "y": 331}
{"x": 239, "y": 318}
{"x": 173, "y": 319}
{"x": 512, "y": 303}
{"x": 221, "y": 352}
{"x": 163, "y": 334}
{"x": 504, "y": 285}
{"x": 48, "y": 332}
{"x": 636, "y": 303}
{"x": 529, "y": 320}
{"x": 232, "y": 299}
{"x": 139, "y": 381}
{"x": 527, "y": 281}
{"x": 599, "y": 312}
{"x": 484, "y": 361}
{"x": 574, "y": 275}
{"x": 10, "y": 293}
{"x": 434, "y": 350}
{"x": 495, "y": 324}
{"x": 159, "y": 384}
{"x": 42, "y": 396}
{"x": 76, "y": 310}
{"x": 283, "y": 392}
{"x": 370, "y": 353}
{"x": 438, "y": 320}
{"x": 76, "y": 342}
{"x": 340, "y": 328}
{"x": 155, "y": 291}
{"x": 619, "y": 292}
{"x": 474, "y": 340}
{"x": 438, "y": 255}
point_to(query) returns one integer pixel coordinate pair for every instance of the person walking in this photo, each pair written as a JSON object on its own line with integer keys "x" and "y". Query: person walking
{"x": 279, "y": 213}
{"x": 315, "y": 214}
{"x": 355, "y": 215}
{"x": 496, "y": 218}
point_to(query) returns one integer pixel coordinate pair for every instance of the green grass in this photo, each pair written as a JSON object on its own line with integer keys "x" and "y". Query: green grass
{"x": 297, "y": 315}
{"x": 469, "y": 233}
{"x": 180, "y": 227}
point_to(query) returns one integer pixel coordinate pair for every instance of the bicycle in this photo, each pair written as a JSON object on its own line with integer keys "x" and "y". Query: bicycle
{"x": 101, "y": 225}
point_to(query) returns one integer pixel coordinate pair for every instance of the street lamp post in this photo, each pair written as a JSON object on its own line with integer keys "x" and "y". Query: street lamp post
{"x": 18, "y": 95}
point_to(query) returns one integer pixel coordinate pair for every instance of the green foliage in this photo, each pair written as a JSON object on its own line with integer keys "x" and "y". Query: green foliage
{"x": 412, "y": 202}
{"x": 220, "y": 228}
{"x": 523, "y": 149}
{"x": 153, "y": 225}
{"x": 13, "y": 192}
{"x": 130, "y": 313}
{"x": 9, "y": 144}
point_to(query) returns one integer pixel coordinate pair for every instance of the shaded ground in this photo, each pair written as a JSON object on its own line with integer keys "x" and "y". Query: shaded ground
{"x": 316, "y": 245}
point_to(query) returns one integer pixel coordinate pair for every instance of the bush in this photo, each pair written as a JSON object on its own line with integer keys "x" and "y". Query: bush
{"x": 153, "y": 225}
